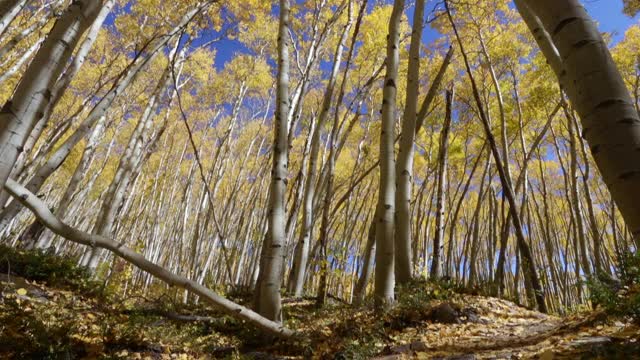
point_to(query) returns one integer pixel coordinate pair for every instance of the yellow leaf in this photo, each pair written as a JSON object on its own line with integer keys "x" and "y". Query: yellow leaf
{"x": 22, "y": 292}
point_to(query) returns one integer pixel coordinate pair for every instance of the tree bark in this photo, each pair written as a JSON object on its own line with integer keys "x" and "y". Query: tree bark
{"x": 54, "y": 224}
{"x": 20, "y": 114}
{"x": 385, "y": 279}
{"x": 435, "y": 271}
{"x": 404, "y": 165}
{"x": 269, "y": 303}
{"x": 611, "y": 124}
{"x": 506, "y": 186}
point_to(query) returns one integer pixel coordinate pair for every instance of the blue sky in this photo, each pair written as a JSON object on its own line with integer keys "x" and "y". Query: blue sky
{"x": 608, "y": 14}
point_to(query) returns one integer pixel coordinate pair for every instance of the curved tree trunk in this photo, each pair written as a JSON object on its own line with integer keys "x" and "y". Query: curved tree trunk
{"x": 54, "y": 224}
{"x": 599, "y": 95}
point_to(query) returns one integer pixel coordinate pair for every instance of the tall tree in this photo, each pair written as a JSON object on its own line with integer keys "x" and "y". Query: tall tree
{"x": 598, "y": 93}
{"x": 441, "y": 180}
{"x": 525, "y": 250}
{"x": 20, "y": 114}
{"x": 269, "y": 303}
{"x": 404, "y": 165}
{"x": 385, "y": 279}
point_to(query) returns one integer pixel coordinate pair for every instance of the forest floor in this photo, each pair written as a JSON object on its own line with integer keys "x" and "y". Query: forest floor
{"x": 57, "y": 319}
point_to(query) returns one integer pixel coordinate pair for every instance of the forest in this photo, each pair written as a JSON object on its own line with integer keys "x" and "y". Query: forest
{"x": 326, "y": 179}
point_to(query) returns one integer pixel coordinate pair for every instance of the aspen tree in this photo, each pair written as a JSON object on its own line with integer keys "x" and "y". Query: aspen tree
{"x": 306, "y": 233}
{"x": 438, "y": 238}
{"x": 20, "y": 114}
{"x": 404, "y": 164}
{"x": 384, "y": 275}
{"x": 525, "y": 250}
{"x": 268, "y": 298}
{"x": 599, "y": 95}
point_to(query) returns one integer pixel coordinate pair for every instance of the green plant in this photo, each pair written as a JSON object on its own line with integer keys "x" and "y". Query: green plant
{"x": 619, "y": 296}
{"x": 358, "y": 349}
{"x": 45, "y": 267}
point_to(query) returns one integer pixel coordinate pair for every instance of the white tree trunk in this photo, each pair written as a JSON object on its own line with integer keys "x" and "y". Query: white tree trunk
{"x": 598, "y": 93}
{"x": 306, "y": 233}
{"x": 404, "y": 165}
{"x": 21, "y": 113}
{"x": 230, "y": 308}
{"x": 385, "y": 279}
{"x": 9, "y": 9}
{"x": 269, "y": 303}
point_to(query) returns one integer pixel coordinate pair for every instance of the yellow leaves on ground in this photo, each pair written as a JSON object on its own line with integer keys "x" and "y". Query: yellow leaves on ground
{"x": 21, "y": 292}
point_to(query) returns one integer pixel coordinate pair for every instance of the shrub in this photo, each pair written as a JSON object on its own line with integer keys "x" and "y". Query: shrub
{"x": 415, "y": 301}
{"x": 45, "y": 267}
{"x": 621, "y": 296}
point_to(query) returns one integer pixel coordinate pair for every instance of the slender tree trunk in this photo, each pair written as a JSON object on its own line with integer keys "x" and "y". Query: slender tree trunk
{"x": 20, "y": 114}
{"x": 593, "y": 223}
{"x": 9, "y": 9}
{"x": 385, "y": 279}
{"x": 367, "y": 265}
{"x": 453, "y": 223}
{"x": 475, "y": 244}
{"x": 404, "y": 165}
{"x": 438, "y": 238}
{"x": 306, "y": 233}
{"x": 525, "y": 250}
{"x": 269, "y": 304}
{"x": 328, "y": 196}
{"x": 576, "y": 204}
{"x": 433, "y": 90}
